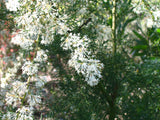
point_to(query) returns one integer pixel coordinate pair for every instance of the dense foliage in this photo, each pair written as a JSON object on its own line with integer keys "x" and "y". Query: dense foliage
{"x": 81, "y": 60}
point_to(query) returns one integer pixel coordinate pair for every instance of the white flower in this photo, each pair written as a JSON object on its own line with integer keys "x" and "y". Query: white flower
{"x": 150, "y": 23}
{"x": 29, "y": 68}
{"x": 62, "y": 28}
{"x": 25, "y": 19}
{"x": 34, "y": 100}
{"x": 156, "y": 15}
{"x": 3, "y": 82}
{"x": 48, "y": 35}
{"x": 70, "y": 41}
{"x": 12, "y": 5}
{"x": 25, "y": 113}
{"x": 12, "y": 99}
{"x": 139, "y": 6}
{"x": 20, "y": 88}
{"x": 92, "y": 81}
{"x": 23, "y": 42}
{"x": 9, "y": 116}
{"x": 17, "y": 92}
{"x": 41, "y": 56}
{"x": 74, "y": 41}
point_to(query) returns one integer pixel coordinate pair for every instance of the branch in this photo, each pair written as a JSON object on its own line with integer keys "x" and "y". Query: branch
{"x": 80, "y": 27}
{"x": 85, "y": 23}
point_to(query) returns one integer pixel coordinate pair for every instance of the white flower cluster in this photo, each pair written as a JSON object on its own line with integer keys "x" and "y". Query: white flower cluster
{"x": 61, "y": 26}
{"x": 30, "y": 68}
{"x": 74, "y": 41}
{"x": 22, "y": 41}
{"x": 15, "y": 97}
{"x": 12, "y": 99}
{"x": 5, "y": 80}
{"x": 152, "y": 14}
{"x": 12, "y": 5}
{"x": 9, "y": 116}
{"x": 20, "y": 88}
{"x": 40, "y": 21}
{"x": 41, "y": 56}
{"x": 18, "y": 91}
{"x": 15, "y": 92}
{"x": 25, "y": 113}
{"x": 38, "y": 25}
{"x": 139, "y": 7}
{"x": 33, "y": 100}
{"x": 156, "y": 20}
{"x": 81, "y": 58}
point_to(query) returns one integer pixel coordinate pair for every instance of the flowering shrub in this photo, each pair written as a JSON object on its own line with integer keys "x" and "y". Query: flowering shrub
{"x": 39, "y": 23}
{"x": 150, "y": 9}
{"x": 78, "y": 37}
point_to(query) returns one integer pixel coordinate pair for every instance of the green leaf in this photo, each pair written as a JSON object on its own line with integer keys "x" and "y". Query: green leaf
{"x": 158, "y": 30}
{"x": 140, "y": 47}
{"x": 139, "y": 36}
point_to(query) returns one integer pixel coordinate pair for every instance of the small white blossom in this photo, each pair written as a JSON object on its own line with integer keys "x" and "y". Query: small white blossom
{"x": 74, "y": 41}
{"x": 12, "y": 5}
{"x": 20, "y": 88}
{"x": 41, "y": 56}
{"x": 139, "y": 6}
{"x": 62, "y": 28}
{"x": 25, "y": 113}
{"x": 29, "y": 68}
{"x": 14, "y": 96}
{"x": 9, "y": 116}
{"x": 156, "y": 15}
{"x": 23, "y": 42}
{"x": 149, "y": 23}
{"x": 3, "y": 82}
{"x": 34, "y": 100}
{"x": 12, "y": 99}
